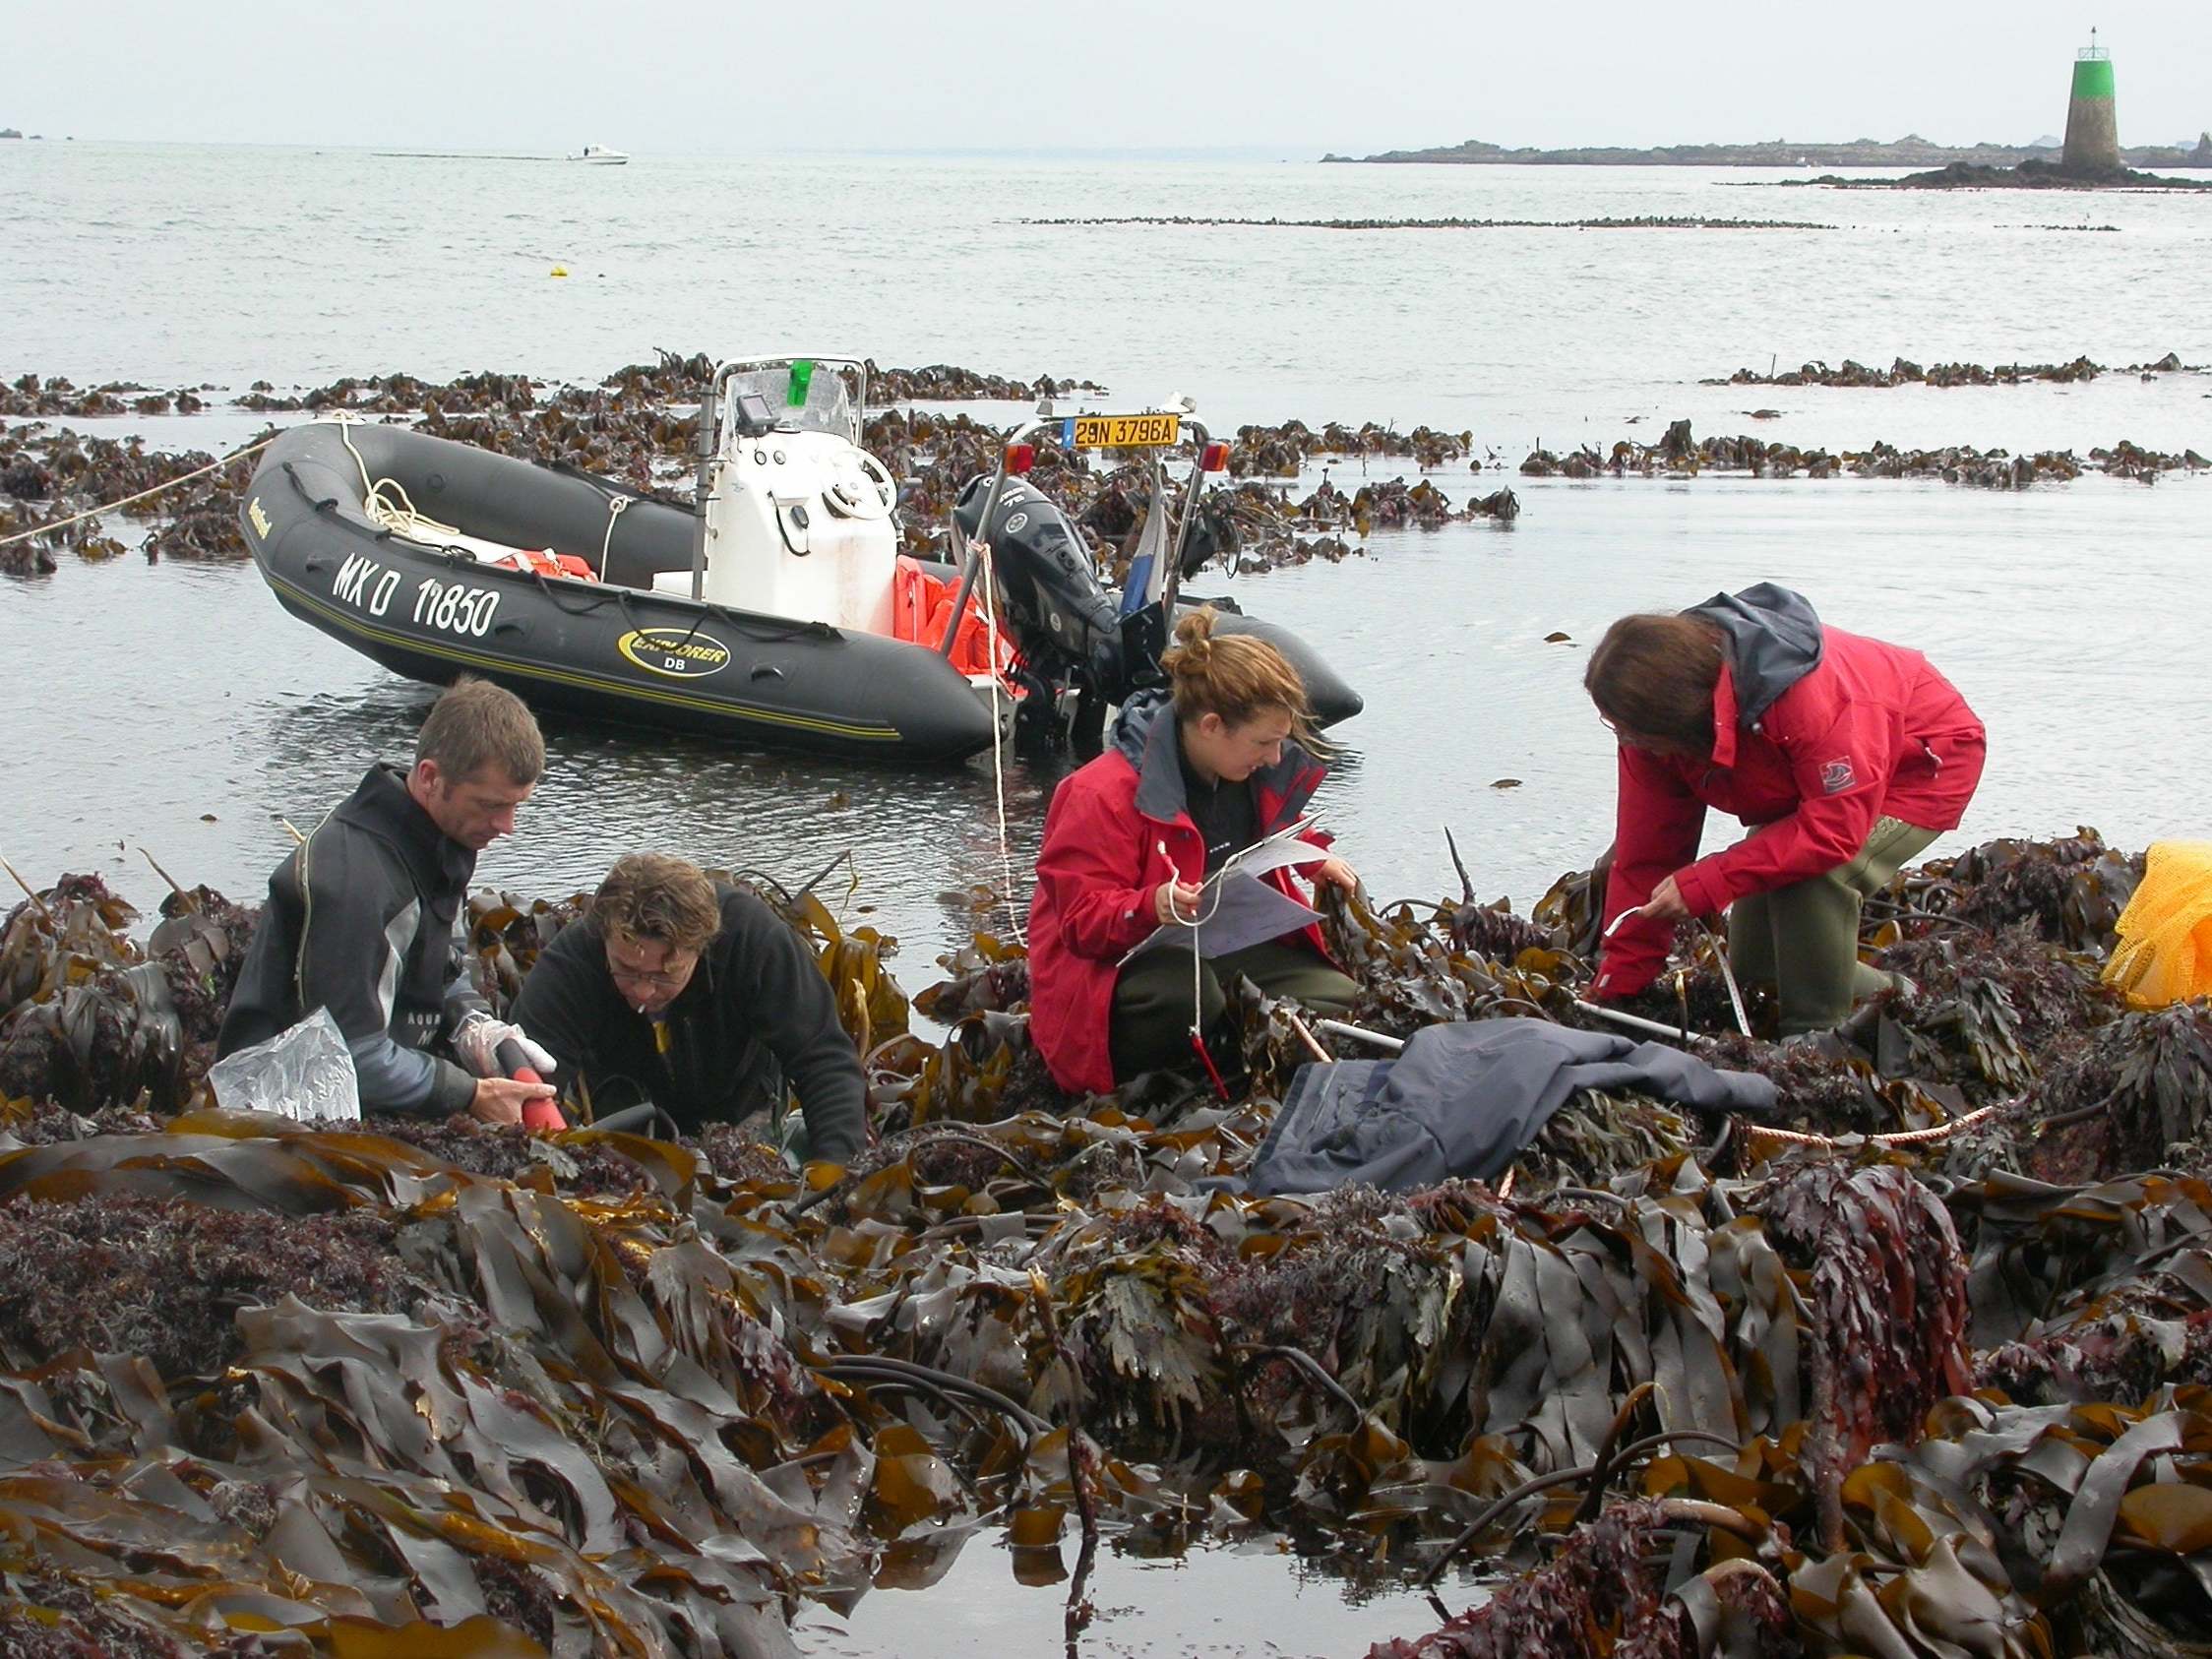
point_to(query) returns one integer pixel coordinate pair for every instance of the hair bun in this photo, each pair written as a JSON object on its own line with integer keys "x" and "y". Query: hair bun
{"x": 1194, "y": 632}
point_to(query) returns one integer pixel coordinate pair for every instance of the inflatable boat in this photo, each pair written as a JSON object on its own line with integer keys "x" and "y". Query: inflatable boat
{"x": 778, "y": 612}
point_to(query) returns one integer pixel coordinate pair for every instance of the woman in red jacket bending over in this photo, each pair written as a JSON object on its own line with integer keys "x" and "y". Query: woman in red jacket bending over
{"x": 1192, "y": 776}
{"x": 1847, "y": 756}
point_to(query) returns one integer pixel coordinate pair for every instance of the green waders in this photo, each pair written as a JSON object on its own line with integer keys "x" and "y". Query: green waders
{"x": 1803, "y": 939}
{"x": 1151, "y": 1017}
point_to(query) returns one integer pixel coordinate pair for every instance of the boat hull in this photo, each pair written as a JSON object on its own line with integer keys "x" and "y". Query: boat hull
{"x": 608, "y": 650}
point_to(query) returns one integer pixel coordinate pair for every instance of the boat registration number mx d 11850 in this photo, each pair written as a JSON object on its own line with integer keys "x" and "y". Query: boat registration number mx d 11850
{"x": 1121, "y": 432}
{"x": 455, "y": 606}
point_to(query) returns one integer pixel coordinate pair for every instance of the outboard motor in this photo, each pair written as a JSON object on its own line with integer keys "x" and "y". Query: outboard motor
{"x": 1063, "y": 619}
{"x": 1074, "y": 635}
{"x": 1070, "y": 630}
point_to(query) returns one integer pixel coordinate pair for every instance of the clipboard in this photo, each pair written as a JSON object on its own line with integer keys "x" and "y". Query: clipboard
{"x": 1276, "y": 910}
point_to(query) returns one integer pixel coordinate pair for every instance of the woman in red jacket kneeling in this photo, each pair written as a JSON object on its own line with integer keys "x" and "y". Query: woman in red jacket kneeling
{"x": 1847, "y": 756}
{"x": 1192, "y": 777}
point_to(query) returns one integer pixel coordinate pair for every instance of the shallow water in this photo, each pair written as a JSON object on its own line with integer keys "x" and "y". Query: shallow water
{"x": 214, "y": 262}
{"x": 175, "y": 708}
{"x": 1211, "y": 1600}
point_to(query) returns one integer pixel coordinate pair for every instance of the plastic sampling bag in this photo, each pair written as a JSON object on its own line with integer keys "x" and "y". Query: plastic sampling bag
{"x": 304, "y": 1071}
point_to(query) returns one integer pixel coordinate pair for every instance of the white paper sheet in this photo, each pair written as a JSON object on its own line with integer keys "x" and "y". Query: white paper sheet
{"x": 1270, "y": 854}
{"x": 1236, "y": 910}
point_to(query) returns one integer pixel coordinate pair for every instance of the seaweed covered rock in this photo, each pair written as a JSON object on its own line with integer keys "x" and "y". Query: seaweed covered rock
{"x": 1722, "y": 1373}
{"x": 2072, "y": 889}
{"x": 94, "y": 1020}
{"x": 2138, "y": 1087}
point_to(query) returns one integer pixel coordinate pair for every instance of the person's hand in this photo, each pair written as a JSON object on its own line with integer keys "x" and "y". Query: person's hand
{"x": 1336, "y": 874}
{"x": 1666, "y": 903}
{"x": 500, "y": 1100}
{"x": 476, "y": 1041}
{"x": 1174, "y": 901}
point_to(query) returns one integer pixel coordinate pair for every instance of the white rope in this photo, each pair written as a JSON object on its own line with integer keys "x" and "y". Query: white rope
{"x": 615, "y": 505}
{"x": 95, "y": 512}
{"x": 1898, "y": 1137}
{"x": 998, "y": 759}
{"x": 398, "y": 515}
{"x": 1193, "y": 922}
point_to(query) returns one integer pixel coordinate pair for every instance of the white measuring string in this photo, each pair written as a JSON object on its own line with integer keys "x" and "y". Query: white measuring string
{"x": 997, "y": 757}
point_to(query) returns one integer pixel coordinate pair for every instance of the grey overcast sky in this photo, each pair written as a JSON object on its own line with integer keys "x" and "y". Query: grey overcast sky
{"x": 1294, "y": 77}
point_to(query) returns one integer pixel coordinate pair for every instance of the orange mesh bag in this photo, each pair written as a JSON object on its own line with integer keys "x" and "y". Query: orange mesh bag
{"x": 2165, "y": 949}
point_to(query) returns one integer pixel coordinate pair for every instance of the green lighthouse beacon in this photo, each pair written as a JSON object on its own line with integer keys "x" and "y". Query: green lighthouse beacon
{"x": 2092, "y": 122}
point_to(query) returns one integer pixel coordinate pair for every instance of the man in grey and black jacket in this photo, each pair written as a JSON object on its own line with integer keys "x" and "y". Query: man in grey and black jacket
{"x": 698, "y": 999}
{"x": 362, "y": 918}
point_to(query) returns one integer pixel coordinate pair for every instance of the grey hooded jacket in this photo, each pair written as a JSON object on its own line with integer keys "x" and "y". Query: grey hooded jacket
{"x": 1464, "y": 1099}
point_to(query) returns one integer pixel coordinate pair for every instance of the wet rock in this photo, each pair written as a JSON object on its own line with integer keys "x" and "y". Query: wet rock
{"x": 1280, "y": 451}
{"x": 943, "y": 383}
{"x": 1902, "y": 372}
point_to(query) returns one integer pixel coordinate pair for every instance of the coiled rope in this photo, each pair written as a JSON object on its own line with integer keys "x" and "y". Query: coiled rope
{"x": 399, "y": 514}
{"x": 396, "y": 513}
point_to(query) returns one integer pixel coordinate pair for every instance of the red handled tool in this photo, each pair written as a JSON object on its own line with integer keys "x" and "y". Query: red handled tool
{"x": 541, "y": 1116}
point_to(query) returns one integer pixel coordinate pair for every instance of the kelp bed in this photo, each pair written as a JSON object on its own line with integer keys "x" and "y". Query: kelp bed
{"x": 638, "y": 426}
{"x": 1676, "y": 1387}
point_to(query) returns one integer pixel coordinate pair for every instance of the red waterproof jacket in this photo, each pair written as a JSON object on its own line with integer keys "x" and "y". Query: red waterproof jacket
{"x": 1116, "y": 828}
{"x": 1817, "y": 733}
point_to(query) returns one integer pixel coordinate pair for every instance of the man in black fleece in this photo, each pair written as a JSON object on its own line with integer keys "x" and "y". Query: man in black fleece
{"x": 363, "y": 918}
{"x": 698, "y": 999}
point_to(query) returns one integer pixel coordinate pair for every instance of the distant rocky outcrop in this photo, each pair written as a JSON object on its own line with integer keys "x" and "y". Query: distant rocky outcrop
{"x": 2031, "y": 174}
{"x": 1911, "y": 151}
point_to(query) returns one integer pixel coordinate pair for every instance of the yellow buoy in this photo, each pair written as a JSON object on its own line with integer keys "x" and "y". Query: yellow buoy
{"x": 558, "y": 271}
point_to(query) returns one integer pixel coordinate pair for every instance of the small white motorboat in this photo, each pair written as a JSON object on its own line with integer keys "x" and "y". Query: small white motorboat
{"x": 598, "y": 154}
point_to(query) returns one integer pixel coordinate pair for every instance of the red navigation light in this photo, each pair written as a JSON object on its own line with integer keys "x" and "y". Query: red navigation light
{"x": 1020, "y": 457}
{"x": 1214, "y": 458}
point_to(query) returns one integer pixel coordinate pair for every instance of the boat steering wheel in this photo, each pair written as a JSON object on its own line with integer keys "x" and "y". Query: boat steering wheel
{"x": 870, "y": 498}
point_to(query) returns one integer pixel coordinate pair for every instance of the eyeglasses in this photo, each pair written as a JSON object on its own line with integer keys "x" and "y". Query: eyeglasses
{"x": 1628, "y": 739}
{"x": 664, "y": 978}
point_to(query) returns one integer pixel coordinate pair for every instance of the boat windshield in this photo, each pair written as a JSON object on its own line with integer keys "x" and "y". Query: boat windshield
{"x": 809, "y": 392}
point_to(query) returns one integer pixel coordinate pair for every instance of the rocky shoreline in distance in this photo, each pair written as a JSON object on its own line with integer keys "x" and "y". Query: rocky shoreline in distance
{"x": 1641, "y": 222}
{"x": 1680, "y": 455}
{"x": 1911, "y": 151}
{"x": 2031, "y": 174}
